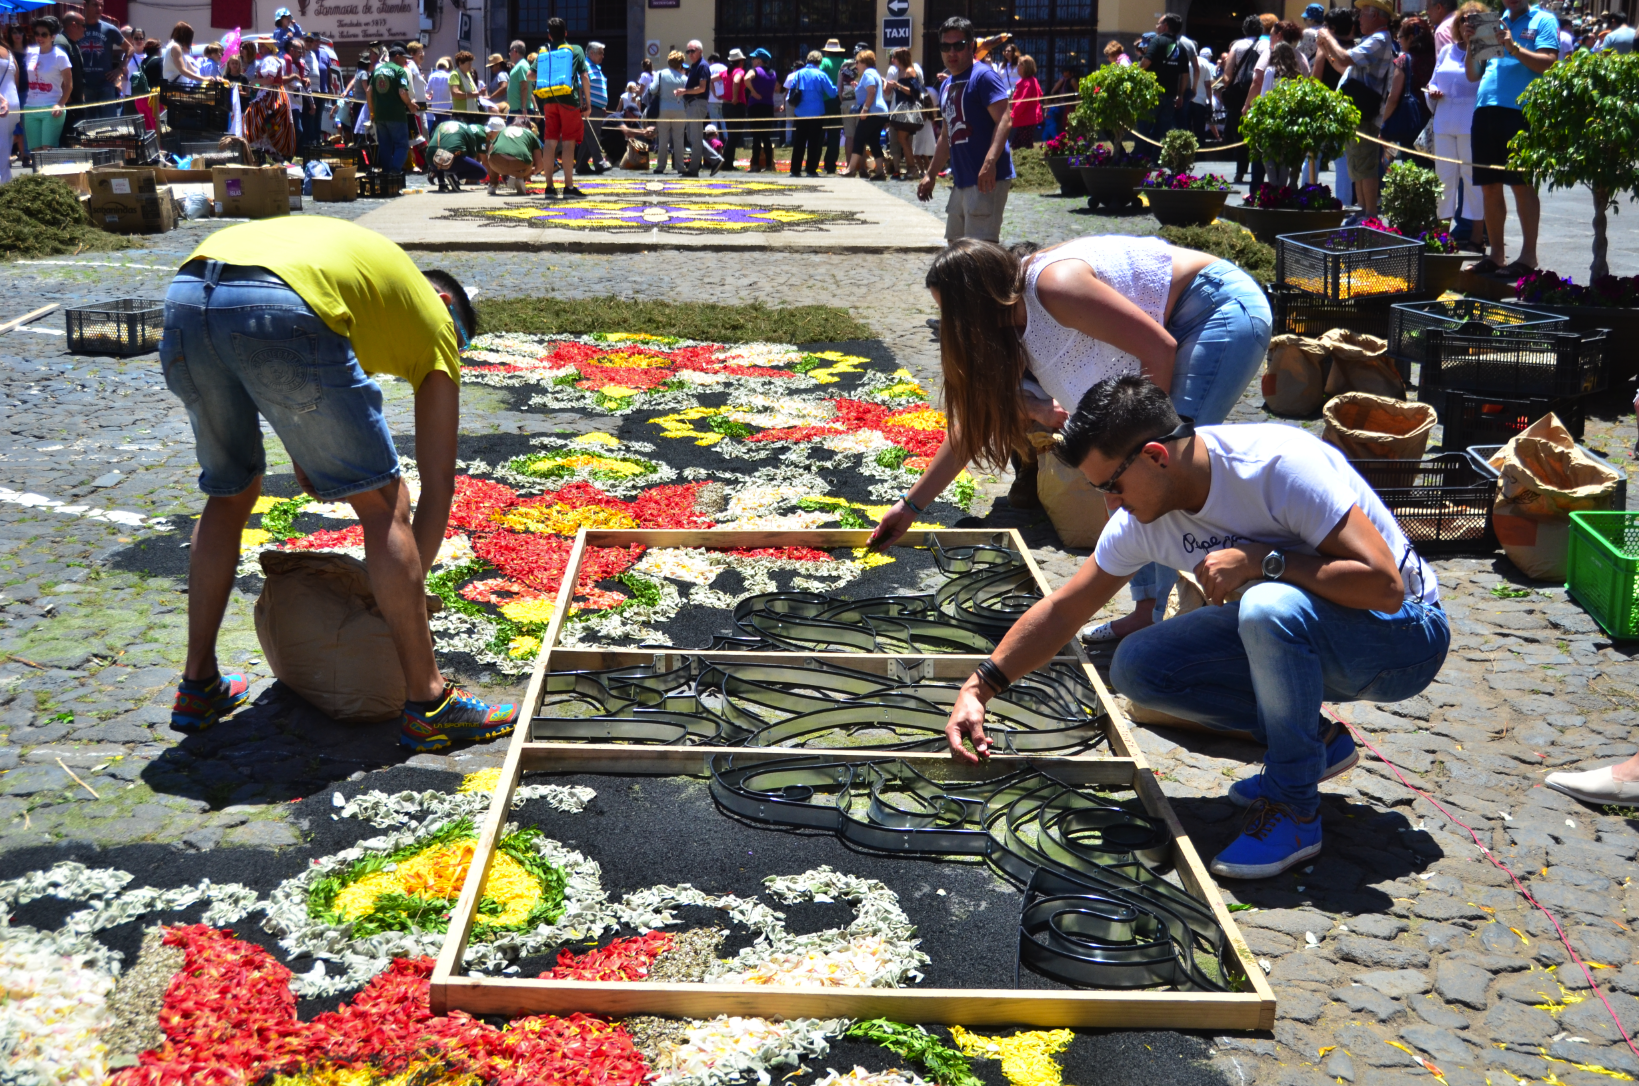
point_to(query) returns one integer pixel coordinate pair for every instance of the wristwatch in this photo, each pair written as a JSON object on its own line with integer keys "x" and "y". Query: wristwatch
{"x": 1274, "y": 565}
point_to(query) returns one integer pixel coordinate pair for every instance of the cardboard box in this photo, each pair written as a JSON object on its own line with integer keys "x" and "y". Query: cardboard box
{"x": 251, "y": 192}
{"x": 342, "y": 186}
{"x": 120, "y": 184}
{"x": 141, "y": 213}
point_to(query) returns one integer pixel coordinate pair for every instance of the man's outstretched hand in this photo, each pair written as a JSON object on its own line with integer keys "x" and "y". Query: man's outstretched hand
{"x": 967, "y": 721}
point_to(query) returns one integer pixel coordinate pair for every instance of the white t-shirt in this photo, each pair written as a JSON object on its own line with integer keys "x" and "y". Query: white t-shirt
{"x": 1271, "y": 484}
{"x": 1203, "y": 82}
{"x": 714, "y": 91}
{"x": 45, "y": 76}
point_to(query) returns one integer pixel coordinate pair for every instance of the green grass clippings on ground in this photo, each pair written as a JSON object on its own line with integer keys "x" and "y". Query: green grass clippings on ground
{"x": 1226, "y": 240}
{"x": 705, "y": 321}
{"x": 1030, "y": 172}
{"x": 42, "y": 216}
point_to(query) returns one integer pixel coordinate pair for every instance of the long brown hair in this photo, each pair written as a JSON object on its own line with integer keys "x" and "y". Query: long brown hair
{"x": 983, "y": 360}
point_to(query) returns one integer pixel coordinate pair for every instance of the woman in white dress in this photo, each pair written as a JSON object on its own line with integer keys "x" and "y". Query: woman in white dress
{"x": 1022, "y": 340}
{"x": 1452, "y": 98}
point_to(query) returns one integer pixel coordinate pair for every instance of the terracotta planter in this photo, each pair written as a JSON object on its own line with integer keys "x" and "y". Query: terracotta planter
{"x": 1440, "y": 271}
{"x": 1066, "y": 174}
{"x": 1184, "y": 207}
{"x": 1111, "y": 186}
{"x": 1267, "y": 225}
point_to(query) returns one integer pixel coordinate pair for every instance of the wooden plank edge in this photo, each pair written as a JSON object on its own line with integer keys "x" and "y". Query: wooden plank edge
{"x": 466, "y": 907}
{"x": 820, "y": 538}
{"x": 654, "y": 759}
{"x": 948, "y": 1006}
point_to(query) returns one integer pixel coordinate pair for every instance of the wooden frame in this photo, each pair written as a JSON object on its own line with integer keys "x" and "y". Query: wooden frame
{"x": 1126, "y": 766}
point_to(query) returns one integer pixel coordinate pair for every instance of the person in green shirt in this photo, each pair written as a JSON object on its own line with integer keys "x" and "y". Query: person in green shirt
{"x": 390, "y": 108}
{"x": 514, "y": 153}
{"x": 456, "y": 150}
{"x": 520, "y": 82}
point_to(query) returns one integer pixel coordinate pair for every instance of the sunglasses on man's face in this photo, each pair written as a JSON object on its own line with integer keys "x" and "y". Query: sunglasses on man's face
{"x": 1109, "y": 486}
{"x": 953, "y": 46}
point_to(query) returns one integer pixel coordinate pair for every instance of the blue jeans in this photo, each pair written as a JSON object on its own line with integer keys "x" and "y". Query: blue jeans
{"x": 1221, "y": 323}
{"x": 393, "y": 139}
{"x": 1342, "y": 187}
{"x": 237, "y": 343}
{"x": 1265, "y": 664}
{"x": 98, "y": 89}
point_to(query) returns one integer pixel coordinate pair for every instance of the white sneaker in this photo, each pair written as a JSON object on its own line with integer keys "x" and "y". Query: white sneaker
{"x": 1595, "y": 786}
{"x": 492, "y": 188}
{"x": 518, "y": 186}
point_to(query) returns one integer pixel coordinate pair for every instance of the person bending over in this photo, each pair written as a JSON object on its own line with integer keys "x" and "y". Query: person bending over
{"x": 1022, "y": 340}
{"x": 1338, "y": 606}
{"x": 293, "y": 338}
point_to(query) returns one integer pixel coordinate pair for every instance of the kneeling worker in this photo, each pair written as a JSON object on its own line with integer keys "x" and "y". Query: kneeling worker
{"x": 293, "y": 338}
{"x": 456, "y": 149}
{"x": 515, "y": 154}
{"x": 1346, "y": 610}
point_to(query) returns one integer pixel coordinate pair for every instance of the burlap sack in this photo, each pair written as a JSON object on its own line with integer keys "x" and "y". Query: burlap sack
{"x": 1187, "y": 596}
{"x": 1544, "y": 479}
{"x": 1294, "y": 378}
{"x": 1077, "y": 510}
{"x": 1361, "y": 363}
{"x": 324, "y": 638}
{"x": 1368, "y": 427}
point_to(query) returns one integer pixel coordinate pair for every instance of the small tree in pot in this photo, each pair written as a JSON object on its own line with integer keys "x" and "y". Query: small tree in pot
{"x": 1297, "y": 119}
{"x": 1582, "y": 128}
{"x": 1113, "y": 98}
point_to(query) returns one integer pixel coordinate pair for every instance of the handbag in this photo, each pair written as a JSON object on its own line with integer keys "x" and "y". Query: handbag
{"x": 793, "y": 97}
{"x": 907, "y": 116}
{"x": 1368, "y": 101}
{"x": 1408, "y": 118}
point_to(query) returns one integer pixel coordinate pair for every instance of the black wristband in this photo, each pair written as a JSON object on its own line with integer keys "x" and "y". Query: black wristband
{"x": 992, "y": 676}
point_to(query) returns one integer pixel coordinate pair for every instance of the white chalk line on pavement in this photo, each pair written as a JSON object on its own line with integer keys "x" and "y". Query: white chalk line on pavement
{"x": 29, "y": 499}
{"x": 95, "y": 264}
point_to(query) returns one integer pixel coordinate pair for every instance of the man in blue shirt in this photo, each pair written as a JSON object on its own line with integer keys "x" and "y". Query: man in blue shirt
{"x": 590, "y": 154}
{"x": 695, "y": 111}
{"x": 103, "y": 52}
{"x": 974, "y": 101}
{"x": 811, "y": 88}
{"x": 1529, "y": 37}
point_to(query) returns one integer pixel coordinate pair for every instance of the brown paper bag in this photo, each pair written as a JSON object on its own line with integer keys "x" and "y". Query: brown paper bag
{"x": 1544, "y": 479}
{"x": 1294, "y": 376}
{"x": 1077, "y": 510}
{"x": 1361, "y": 363}
{"x": 324, "y": 637}
{"x": 1368, "y": 427}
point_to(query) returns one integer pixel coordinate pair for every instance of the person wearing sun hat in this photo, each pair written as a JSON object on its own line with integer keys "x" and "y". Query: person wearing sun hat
{"x": 832, "y": 57}
{"x": 285, "y": 27}
{"x": 1366, "y": 69}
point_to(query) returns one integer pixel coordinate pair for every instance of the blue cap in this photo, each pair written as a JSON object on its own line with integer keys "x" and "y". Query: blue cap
{"x": 1315, "y": 12}
{"x": 280, "y": 14}
{"x": 761, "y": 54}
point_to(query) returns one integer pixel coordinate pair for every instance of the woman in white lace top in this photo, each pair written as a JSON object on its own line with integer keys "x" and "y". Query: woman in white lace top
{"x": 1021, "y": 340}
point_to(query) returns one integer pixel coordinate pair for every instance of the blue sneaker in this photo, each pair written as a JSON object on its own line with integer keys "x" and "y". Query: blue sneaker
{"x": 1272, "y": 839}
{"x": 202, "y": 702}
{"x": 458, "y": 717}
{"x": 1341, "y": 756}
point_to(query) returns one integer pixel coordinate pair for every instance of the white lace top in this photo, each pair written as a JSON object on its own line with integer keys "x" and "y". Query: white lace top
{"x": 1068, "y": 362}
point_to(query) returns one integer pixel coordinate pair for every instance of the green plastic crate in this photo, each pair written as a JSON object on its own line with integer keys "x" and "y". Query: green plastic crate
{"x": 1603, "y": 561}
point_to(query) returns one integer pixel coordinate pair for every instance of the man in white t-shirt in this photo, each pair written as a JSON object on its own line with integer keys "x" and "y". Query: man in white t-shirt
{"x": 1339, "y": 608}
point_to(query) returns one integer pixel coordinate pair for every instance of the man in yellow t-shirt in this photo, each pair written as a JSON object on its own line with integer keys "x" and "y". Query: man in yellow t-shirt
{"x": 286, "y": 319}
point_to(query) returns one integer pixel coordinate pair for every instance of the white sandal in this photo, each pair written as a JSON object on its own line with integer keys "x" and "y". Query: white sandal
{"x": 1100, "y": 633}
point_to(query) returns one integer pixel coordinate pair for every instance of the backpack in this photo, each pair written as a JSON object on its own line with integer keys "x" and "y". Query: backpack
{"x": 1243, "y": 69}
{"x": 555, "y": 72}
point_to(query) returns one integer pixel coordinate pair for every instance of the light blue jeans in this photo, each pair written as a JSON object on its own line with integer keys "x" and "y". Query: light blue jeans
{"x": 239, "y": 343}
{"x": 1221, "y": 323}
{"x": 1265, "y": 664}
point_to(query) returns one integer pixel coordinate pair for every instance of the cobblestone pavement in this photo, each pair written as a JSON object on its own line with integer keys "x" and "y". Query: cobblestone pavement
{"x": 1399, "y": 945}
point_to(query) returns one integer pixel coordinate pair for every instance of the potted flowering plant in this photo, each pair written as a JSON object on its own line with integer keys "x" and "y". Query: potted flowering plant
{"x": 1112, "y": 100}
{"x": 1411, "y": 203}
{"x": 1271, "y": 210}
{"x": 1063, "y": 153}
{"x": 1175, "y": 195}
{"x": 1298, "y": 119}
{"x": 1608, "y": 301}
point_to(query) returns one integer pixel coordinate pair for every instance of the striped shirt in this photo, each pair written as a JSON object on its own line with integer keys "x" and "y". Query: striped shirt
{"x": 600, "y": 86}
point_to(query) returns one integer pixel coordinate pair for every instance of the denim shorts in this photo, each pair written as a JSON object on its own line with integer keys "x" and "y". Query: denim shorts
{"x": 239, "y": 343}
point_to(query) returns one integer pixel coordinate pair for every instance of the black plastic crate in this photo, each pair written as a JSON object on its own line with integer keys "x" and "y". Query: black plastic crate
{"x": 89, "y": 131}
{"x": 198, "y": 96}
{"x": 1411, "y": 322}
{"x": 1299, "y": 313}
{"x": 1350, "y": 262}
{"x": 1442, "y": 504}
{"x": 381, "y": 183}
{"x": 91, "y": 157}
{"x": 1518, "y": 363}
{"x": 183, "y": 117}
{"x": 1475, "y": 418}
{"x": 123, "y": 327}
{"x": 138, "y": 151}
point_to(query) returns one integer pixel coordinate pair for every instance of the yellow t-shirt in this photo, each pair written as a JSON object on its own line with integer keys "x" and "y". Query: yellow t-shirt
{"x": 360, "y": 284}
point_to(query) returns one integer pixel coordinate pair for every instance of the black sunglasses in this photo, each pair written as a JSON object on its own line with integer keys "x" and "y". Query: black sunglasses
{"x": 954, "y": 46}
{"x": 1184, "y": 429}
